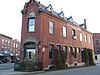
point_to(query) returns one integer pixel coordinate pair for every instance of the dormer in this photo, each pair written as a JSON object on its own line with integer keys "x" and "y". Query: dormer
{"x": 49, "y": 8}
{"x": 82, "y": 25}
{"x": 70, "y": 19}
{"x": 61, "y": 14}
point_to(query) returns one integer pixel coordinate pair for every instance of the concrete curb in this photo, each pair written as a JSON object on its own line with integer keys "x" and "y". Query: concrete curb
{"x": 25, "y": 73}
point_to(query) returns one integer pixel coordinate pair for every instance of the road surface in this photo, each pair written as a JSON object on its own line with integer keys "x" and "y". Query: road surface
{"x": 8, "y": 69}
{"x": 94, "y": 70}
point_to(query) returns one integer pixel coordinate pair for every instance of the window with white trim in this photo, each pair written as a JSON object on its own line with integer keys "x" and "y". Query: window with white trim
{"x": 51, "y": 27}
{"x": 30, "y": 51}
{"x": 85, "y": 36}
{"x": 51, "y": 51}
{"x": 65, "y": 50}
{"x": 14, "y": 45}
{"x": 8, "y": 43}
{"x": 80, "y": 36}
{"x": 64, "y": 31}
{"x": 31, "y": 22}
{"x": 3, "y": 41}
{"x": 75, "y": 52}
{"x": 73, "y": 32}
{"x": 97, "y": 42}
{"x": 79, "y": 50}
{"x": 90, "y": 41}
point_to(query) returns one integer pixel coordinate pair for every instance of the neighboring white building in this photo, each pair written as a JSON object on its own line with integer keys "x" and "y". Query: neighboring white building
{"x": 97, "y": 59}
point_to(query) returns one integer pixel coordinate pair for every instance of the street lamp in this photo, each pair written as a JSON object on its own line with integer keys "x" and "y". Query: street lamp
{"x": 43, "y": 50}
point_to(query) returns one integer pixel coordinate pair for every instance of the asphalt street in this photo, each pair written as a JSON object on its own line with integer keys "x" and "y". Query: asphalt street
{"x": 8, "y": 69}
{"x": 6, "y": 66}
{"x": 94, "y": 70}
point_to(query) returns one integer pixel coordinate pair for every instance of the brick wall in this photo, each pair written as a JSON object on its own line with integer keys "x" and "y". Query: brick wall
{"x": 45, "y": 38}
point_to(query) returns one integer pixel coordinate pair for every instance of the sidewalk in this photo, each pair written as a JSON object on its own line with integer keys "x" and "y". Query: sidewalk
{"x": 12, "y": 72}
{"x": 24, "y": 73}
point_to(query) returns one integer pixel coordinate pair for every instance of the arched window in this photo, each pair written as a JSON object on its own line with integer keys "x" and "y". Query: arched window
{"x": 30, "y": 51}
{"x": 31, "y": 22}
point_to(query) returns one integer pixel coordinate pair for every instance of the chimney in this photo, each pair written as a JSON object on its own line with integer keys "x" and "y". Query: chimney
{"x": 85, "y": 24}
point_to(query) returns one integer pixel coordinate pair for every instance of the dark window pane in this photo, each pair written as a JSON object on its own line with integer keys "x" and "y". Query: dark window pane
{"x": 31, "y": 25}
{"x": 65, "y": 50}
{"x": 73, "y": 33}
{"x": 97, "y": 42}
{"x": 51, "y": 52}
{"x": 74, "y": 52}
{"x": 96, "y": 58}
{"x": 79, "y": 50}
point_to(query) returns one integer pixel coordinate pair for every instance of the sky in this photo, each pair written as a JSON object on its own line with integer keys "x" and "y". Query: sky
{"x": 11, "y": 17}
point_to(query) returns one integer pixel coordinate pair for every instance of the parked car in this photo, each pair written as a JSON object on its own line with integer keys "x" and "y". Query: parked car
{"x": 12, "y": 61}
{"x": 5, "y": 60}
{"x": 16, "y": 60}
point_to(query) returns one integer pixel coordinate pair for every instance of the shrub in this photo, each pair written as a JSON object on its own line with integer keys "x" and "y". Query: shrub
{"x": 88, "y": 57}
{"x": 28, "y": 66}
{"x": 59, "y": 59}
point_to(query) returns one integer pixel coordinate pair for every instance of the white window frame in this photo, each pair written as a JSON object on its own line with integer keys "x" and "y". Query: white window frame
{"x": 85, "y": 38}
{"x": 31, "y": 26}
{"x": 73, "y": 32}
{"x": 51, "y": 27}
{"x": 81, "y": 37}
{"x": 90, "y": 41}
{"x": 3, "y": 40}
{"x": 14, "y": 45}
{"x": 31, "y": 52}
{"x": 31, "y": 22}
{"x": 64, "y": 31}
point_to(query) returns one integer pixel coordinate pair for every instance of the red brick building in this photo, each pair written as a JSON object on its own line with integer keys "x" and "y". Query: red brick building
{"x": 9, "y": 48}
{"x": 96, "y": 44}
{"x": 43, "y": 29}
